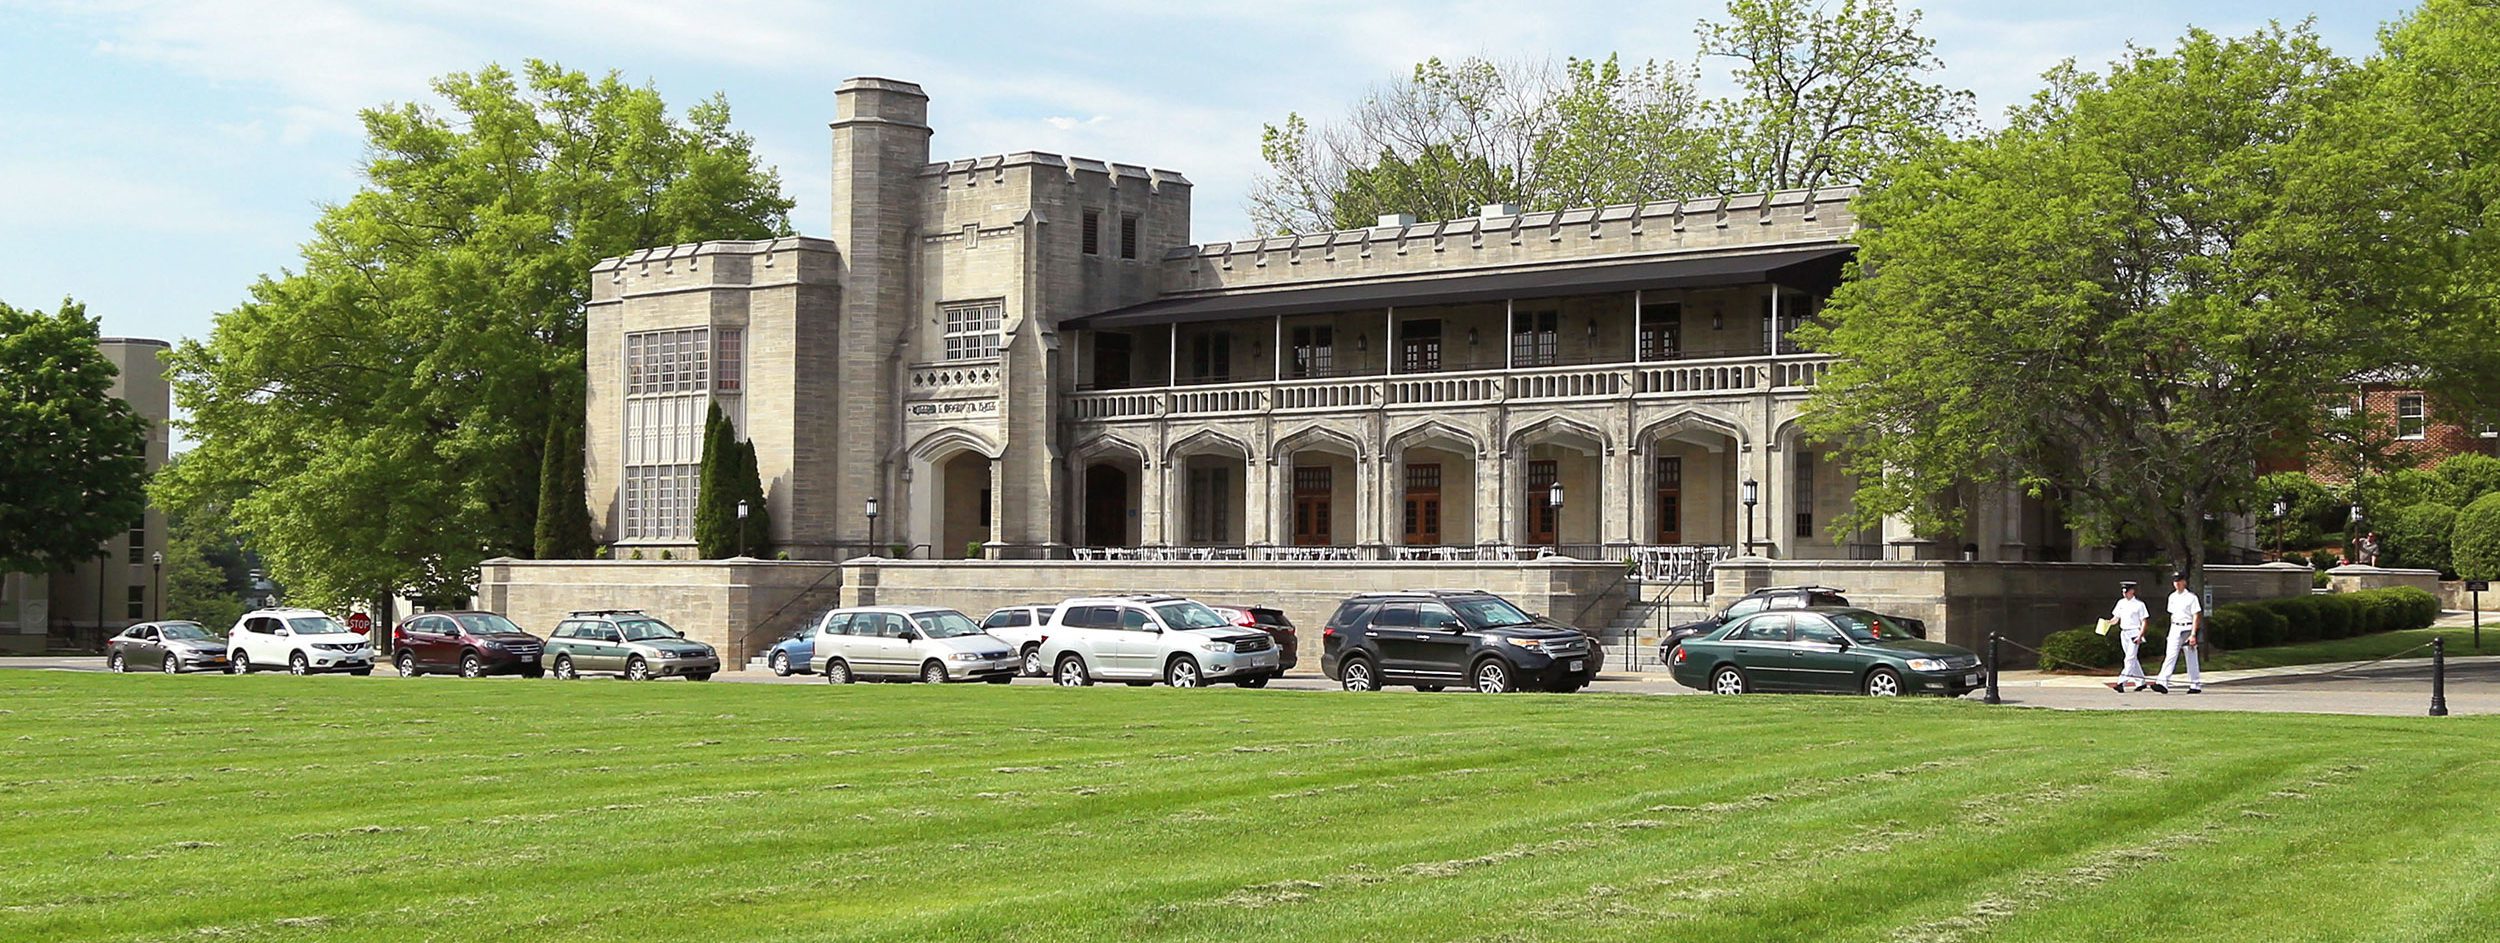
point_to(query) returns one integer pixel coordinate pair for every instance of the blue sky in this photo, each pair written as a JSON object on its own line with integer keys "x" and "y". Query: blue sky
{"x": 156, "y": 157}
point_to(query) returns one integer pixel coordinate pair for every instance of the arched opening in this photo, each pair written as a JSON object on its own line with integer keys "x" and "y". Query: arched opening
{"x": 1110, "y": 504}
{"x": 965, "y": 506}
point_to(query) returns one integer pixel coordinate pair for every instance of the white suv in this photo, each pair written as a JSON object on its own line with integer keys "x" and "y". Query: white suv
{"x": 1021, "y": 628}
{"x": 302, "y": 640}
{"x": 1143, "y": 639}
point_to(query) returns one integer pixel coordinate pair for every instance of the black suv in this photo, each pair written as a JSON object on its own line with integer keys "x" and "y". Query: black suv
{"x": 1432, "y": 638}
{"x": 1769, "y": 597}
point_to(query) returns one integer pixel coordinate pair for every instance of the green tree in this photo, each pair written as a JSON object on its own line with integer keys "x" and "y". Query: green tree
{"x": 749, "y": 480}
{"x": 377, "y": 418}
{"x": 2469, "y": 476}
{"x": 73, "y": 456}
{"x": 2420, "y": 537}
{"x": 715, "y": 503}
{"x": 2422, "y": 135}
{"x": 2383, "y": 495}
{"x": 2474, "y": 547}
{"x": 1828, "y": 94}
{"x": 2105, "y": 295}
{"x": 207, "y": 567}
{"x": 563, "y": 526}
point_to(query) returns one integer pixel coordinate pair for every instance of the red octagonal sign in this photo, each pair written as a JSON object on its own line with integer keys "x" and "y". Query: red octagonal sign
{"x": 359, "y": 623}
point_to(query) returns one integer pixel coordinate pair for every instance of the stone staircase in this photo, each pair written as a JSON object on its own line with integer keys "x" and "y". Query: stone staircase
{"x": 1632, "y": 638}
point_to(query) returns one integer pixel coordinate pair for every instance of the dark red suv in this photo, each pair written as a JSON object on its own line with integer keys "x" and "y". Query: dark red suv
{"x": 1270, "y": 621}
{"x": 473, "y": 644}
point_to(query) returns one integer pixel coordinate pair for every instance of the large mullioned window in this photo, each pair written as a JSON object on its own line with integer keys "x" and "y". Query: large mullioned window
{"x": 667, "y": 385}
{"x": 971, "y": 329}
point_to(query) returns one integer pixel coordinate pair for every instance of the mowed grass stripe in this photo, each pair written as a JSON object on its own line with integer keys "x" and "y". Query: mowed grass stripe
{"x": 907, "y": 812}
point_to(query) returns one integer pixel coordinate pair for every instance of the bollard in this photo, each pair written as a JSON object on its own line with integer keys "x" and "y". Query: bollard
{"x": 1992, "y": 670}
{"x": 2439, "y": 677}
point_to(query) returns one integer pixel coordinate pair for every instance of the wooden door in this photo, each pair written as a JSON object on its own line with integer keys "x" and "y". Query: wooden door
{"x": 1106, "y": 506}
{"x": 1670, "y": 500}
{"x": 1314, "y": 487}
{"x": 1542, "y": 515}
{"x": 1423, "y": 504}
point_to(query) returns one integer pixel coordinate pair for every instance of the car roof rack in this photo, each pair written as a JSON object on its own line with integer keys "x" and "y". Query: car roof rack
{"x": 1449, "y": 589}
{"x": 606, "y": 612}
{"x": 1806, "y": 588}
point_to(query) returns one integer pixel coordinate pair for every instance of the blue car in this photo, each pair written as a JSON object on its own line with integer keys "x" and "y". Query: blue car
{"x": 795, "y": 652}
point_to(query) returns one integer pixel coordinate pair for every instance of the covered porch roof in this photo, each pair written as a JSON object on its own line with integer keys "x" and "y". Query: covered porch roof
{"x": 1810, "y": 266}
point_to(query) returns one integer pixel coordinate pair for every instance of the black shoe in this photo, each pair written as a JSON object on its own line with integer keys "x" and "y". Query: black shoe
{"x": 2159, "y": 688}
{"x": 2196, "y": 690}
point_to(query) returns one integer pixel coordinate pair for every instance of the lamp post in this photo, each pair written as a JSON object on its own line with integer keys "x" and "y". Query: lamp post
{"x": 872, "y": 525}
{"x": 2281, "y": 507}
{"x": 1553, "y": 500}
{"x": 156, "y": 563}
{"x": 742, "y": 528}
{"x": 1752, "y": 492}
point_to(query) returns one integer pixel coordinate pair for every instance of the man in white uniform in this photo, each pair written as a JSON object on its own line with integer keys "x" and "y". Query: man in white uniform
{"x": 2187, "y": 625}
{"x": 2130, "y": 615}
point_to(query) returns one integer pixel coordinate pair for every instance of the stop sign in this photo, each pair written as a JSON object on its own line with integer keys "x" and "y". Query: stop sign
{"x": 359, "y": 623}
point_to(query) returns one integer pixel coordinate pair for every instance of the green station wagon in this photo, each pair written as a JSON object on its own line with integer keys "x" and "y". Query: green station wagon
{"x": 1824, "y": 648}
{"x": 627, "y": 643}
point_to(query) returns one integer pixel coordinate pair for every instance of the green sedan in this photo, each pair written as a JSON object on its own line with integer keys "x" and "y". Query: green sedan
{"x": 1823, "y": 649}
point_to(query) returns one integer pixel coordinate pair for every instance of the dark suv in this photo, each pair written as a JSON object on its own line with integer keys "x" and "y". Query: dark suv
{"x": 474, "y": 644}
{"x": 1433, "y": 638}
{"x": 1271, "y": 621}
{"x": 1768, "y": 597}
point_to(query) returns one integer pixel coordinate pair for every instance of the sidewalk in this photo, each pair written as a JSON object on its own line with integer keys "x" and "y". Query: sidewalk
{"x": 2042, "y": 679}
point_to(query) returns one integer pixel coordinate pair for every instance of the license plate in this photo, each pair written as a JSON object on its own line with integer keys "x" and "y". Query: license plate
{"x": 1577, "y": 664}
{"x": 1970, "y": 679}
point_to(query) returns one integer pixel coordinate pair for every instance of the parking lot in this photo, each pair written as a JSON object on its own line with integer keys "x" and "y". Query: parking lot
{"x": 2400, "y": 688}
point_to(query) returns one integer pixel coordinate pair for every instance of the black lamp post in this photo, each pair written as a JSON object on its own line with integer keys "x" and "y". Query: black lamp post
{"x": 872, "y": 525}
{"x": 742, "y": 528}
{"x": 156, "y": 563}
{"x": 1752, "y": 495}
{"x": 2281, "y": 507}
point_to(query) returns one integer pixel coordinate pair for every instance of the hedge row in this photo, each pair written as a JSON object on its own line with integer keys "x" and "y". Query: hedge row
{"x": 2260, "y": 624}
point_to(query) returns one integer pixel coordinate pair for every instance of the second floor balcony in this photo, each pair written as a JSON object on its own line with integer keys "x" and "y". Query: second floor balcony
{"x": 1715, "y": 377}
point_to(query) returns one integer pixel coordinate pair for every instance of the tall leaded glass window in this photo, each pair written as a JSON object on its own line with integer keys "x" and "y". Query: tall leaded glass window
{"x": 668, "y": 384}
{"x": 971, "y": 329}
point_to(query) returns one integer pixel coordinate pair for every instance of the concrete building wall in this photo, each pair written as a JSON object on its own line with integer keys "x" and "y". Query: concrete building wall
{"x": 740, "y": 607}
{"x": 95, "y": 598}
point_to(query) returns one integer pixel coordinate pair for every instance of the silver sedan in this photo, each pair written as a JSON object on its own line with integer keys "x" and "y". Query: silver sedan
{"x": 171, "y": 647}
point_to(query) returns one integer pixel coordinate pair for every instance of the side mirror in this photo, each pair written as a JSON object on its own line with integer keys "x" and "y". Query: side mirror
{"x": 1451, "y": 625}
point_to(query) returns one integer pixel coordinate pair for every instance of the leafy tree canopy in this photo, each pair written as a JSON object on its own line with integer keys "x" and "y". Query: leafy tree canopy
{"x": 2107, "y": 295}
{"x": 376, "y": 418}
{"x": 73, "y": 456}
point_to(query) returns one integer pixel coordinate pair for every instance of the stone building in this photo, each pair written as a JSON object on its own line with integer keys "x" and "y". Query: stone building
{"x": 1026, "y": 356}
{"x": 79, "y": 606}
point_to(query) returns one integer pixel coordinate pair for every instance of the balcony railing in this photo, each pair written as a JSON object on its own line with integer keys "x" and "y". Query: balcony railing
{"x": 1652, "y": 380}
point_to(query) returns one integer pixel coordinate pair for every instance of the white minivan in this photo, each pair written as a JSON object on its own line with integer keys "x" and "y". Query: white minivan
{"x": 302, "y": 641}
{"x": 1142, "y": 639}
{"x": 934, "y": 645}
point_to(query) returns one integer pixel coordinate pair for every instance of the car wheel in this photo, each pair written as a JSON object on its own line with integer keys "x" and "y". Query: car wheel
{"x": 297, "y": 664}
{"x": 637, "y": 670}
{"x": 837, "y": 671}
{"x": 173, "y": 666}
{"x": 933, "y": 672}
{"x": 564, "y": 668}
{"x": 240, "y": 664}
{"x": 113, "y": 663}
{"x": 1881, "y": 682}
{"x": 1183, "y": 673}
{"x": 1258, "y": 682}
{"x": 1492, "y": 676}
{"x": 1072, "y": 672}
{"x": 781, "y": 664}
{"x": 1727, "y": 680}
{"x": 470, "y": 666}
{"x": 407, "y": 663}
{"x": 1429, "y": 688}
{"x": 1356, "y": 675}
{"x": 1033, "y": 666}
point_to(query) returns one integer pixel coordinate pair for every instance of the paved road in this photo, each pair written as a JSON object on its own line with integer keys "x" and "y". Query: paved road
{"x": 2395, "y": 688}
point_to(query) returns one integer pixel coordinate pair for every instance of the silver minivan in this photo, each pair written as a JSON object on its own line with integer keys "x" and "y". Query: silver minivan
{"x": 934, "y": 645}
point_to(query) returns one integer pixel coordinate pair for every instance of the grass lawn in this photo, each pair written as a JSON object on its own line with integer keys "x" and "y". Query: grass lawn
{"x": 2362, "y": 648}
{"x": 147, "y": 807}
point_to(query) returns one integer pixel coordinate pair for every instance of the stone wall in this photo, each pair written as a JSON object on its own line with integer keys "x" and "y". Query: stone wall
{"x": 1963, "y": 602}
{"x": 1577, "y": 593}
{"x": 2454, "y": 598}
{"x": 740, "y": 607}
{"x": 2351, "y": 579}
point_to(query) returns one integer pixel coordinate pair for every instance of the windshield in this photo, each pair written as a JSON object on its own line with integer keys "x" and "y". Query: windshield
{"x": 316, "y": 625}
{"x": 1190, "y": 615}
{"x": 644, "y": 630}
{"x": 486, "y": 623}
{"x": 1488, "y": 612}
{"x": 945, "y": 624}
{"x": 1868, "y": 627}
{"x": 185, "y": 631}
